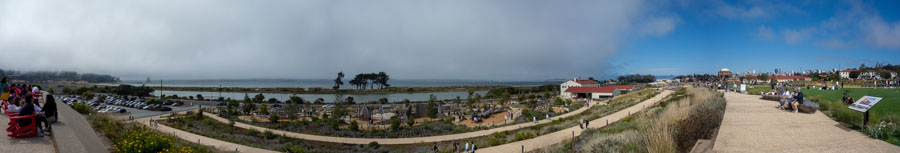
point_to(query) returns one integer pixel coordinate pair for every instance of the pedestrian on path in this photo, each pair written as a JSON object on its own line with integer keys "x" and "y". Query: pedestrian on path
{"x": 467, "y": 147}
{"x": 456, "y": 146}
{"x": 474, "y": 148}
{"x": 435, "y": 149}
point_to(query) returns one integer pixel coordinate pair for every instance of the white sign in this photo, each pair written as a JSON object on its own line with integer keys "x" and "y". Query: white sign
{"x": 865, "y": 103}
{"x": 743, "y": 87}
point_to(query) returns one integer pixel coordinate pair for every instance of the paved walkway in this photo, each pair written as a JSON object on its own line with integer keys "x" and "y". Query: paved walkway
{"x": 29, "y": 145}
{"x": 74, "y": 134}
{"x": 437, "y": 138}
{"x": 567, "y": 134}
{"x": 754, "y": 125}
{"x": 203, "y": 140}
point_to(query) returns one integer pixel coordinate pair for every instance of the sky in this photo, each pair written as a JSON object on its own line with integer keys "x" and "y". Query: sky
{"x": 462, "y": 39}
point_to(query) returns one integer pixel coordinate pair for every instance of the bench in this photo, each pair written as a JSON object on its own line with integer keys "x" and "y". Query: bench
{"x": 17, "y": 131}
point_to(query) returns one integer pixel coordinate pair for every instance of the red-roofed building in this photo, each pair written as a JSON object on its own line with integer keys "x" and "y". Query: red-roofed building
{"x": 596, "y": 92}
{"x": 576, "y": 83}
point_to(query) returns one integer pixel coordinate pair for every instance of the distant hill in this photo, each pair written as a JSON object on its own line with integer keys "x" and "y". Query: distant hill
{"x": 58, "y": 76}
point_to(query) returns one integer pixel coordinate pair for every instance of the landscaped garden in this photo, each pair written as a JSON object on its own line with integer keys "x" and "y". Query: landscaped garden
{"x": 337, "y": 121}
{"x": 195, "y": 123}
{"x": 133, "y": 137}
{"x": 673, "y": 125}
{"x": 499, "y": 138}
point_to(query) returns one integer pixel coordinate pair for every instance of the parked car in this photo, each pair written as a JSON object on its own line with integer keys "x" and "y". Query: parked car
{"x": 222, "y": 103}
{"x": 165, "y": 109}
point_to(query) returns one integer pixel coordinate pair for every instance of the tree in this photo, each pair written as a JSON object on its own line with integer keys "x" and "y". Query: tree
{"x": 263, "y": 109}
{"x": 854, "y": 74}
{"x": 200, "y": 97}
{"x": 296, "y": 99}
{"x": 259, "y": 98}
{"x": 291, "y": 110}
{"x": 88, "y": 95}
{"x": 504, "y": 99}
{"x": 273, "y": 100}
{"x": 763, "y": 77}
{"x": 338, "y": 82}
{"x": 886, "y": 75}
{"x": 350, "y": 100}
{"x": 319, "y": 101}
{"x": 273, "y": 118}
{"x": 432, "y": 110}
{"x": 383, "y": 100}
{"x": 457, "y": 101}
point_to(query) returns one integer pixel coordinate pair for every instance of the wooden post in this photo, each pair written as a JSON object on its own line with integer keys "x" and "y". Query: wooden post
{"x": 865, "y": 119}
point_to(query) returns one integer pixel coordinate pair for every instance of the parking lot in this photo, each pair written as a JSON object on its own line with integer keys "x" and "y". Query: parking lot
{"x": 124, "y": 109}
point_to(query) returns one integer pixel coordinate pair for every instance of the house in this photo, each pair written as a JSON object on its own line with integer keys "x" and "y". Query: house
{"x": 575, "y": 83}
{"x": 597, "y": 92}
{"x": 869, "y": 74}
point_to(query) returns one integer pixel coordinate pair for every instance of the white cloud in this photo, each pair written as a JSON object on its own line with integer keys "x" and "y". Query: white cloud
{"x": 659, "y": 26}
{"x": 764, "y": 33}
{"x": 466, "y": 39}
{"x": 792, "y": 36}
{"x": 835, "y": 44}
{"x": 880, "y": 33}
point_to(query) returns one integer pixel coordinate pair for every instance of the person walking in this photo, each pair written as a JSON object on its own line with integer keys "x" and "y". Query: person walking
{"x": 467, "y": 147}
{"x": 434, "y": 149}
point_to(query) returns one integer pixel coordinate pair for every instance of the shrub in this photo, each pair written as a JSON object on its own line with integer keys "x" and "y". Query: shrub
{"x": 269, "y": 135}
{"x": 81, "y": 108}
{"x": 395, "y": 123}
{"x": 295, "y": 149}
{"x": 143, "y": 140}
{"x": 374, "y": 145}
{"x": 524, "y": 136}
{"x": 410, "y": 122}
{"x": 252, "y": 132}
{"x": 273, "y": 118}
{"x": 354, "y": 126}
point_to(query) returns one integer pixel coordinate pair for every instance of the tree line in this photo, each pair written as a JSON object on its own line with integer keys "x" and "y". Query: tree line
{"x": 364, "y": 81}
{"x": 637, "y": 78}
{"x": 58, "y": 76}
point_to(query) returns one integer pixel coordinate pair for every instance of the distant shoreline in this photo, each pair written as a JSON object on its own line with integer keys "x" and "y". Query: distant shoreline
{"x": 389, "y": 90}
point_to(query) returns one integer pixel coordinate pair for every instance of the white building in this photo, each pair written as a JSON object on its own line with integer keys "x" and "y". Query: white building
{"x": 597, "y": 92}
{"x": 575, "y": 83}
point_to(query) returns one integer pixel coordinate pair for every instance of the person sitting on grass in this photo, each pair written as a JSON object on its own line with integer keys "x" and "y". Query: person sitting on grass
{"x": 798, "y": 101}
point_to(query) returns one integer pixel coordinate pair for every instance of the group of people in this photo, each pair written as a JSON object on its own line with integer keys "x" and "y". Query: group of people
{"x": 469, "y": 147}
{"x": 791, "y": 100}
{"x": 22, "y": 101}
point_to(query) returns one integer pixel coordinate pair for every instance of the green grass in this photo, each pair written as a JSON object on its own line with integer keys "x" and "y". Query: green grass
{"x": 890, "y": 105}
{"x": 886, "y": 110}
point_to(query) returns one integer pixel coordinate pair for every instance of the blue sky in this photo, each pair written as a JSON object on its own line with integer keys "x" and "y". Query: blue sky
{"x": 763, "y": 35}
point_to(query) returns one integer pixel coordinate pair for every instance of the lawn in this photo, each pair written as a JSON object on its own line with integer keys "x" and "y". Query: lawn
{"x": 890, "y": 105}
